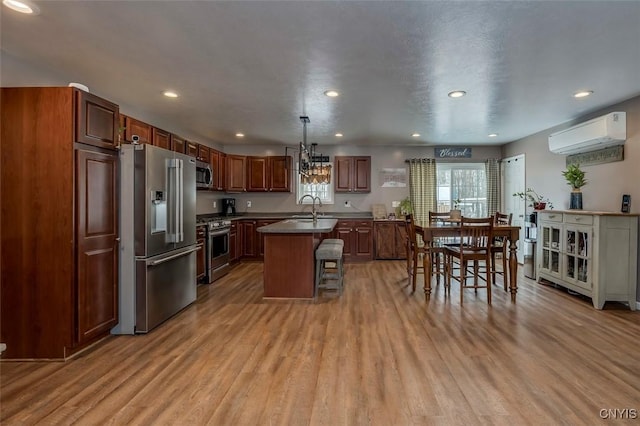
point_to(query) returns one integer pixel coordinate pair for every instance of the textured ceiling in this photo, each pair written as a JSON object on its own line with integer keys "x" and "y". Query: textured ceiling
{"x": 255, "y": 67}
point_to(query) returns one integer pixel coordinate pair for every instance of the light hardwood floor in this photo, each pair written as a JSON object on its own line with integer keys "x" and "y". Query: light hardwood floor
{"x": 377, "y": 355}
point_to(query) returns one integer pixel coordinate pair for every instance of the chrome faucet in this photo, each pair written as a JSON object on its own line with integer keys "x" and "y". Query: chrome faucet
{"x": 314, "y": 213}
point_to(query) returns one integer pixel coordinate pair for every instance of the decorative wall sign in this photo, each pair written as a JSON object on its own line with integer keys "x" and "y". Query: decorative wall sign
{"x": 393, "y": 178}
{"x": 607, "y": 155}
{"x": 452, "y": 152}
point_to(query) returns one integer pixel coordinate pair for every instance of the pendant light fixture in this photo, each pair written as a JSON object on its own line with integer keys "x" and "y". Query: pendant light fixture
{"x": 311, "y": 167}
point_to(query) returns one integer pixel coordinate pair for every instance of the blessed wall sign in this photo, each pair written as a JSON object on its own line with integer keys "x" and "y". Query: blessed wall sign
{"x": 452, "y": 152}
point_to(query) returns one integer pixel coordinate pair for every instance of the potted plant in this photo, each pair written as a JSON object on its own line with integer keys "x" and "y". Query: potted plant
{"x": 406, "y": 207}
{"x": 575, "y": 177}
{"x": 537, "y": 201}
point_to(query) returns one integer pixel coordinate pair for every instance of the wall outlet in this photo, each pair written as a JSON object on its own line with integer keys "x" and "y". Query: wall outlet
{"x": 248, "y": 204}
{"x": 215, "y": 204}
{"x": 347, "y": 203}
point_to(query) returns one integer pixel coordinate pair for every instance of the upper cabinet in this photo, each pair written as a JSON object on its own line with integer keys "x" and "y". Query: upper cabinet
{"x": 96, "y": 121}
{"x": 191, "y": 148}
{"x": 178, "y": 144}
{"x": 236, "y": 173}
{"x": 137, "y": 128}
{"x": 218, "y": 161}
{"x": 203, "y": 153}
{"x": 269, "y": 174}
{"x": 161, "y": 138}
{"x": 353, "y": 174}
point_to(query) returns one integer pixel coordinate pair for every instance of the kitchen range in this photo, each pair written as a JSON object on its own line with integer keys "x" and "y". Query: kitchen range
{"x": 216, "y": 247}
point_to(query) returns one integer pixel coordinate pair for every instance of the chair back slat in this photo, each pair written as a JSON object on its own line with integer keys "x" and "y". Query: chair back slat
{"x": 476, "y": 233}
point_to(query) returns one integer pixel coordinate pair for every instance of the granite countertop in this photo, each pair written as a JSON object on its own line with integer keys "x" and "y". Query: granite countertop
{"x": 287, "y": 215}
{"x": 299, "y": 226}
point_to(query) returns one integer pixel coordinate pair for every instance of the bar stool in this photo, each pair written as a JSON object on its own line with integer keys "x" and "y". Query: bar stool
{"x": 329, "y": 265}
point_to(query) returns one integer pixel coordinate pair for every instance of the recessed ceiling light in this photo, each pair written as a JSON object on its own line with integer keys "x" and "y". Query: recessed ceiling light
{"x": 492, "y": 135}
{"x": 170, "y": 94}
{"x": 239, "y": 135}
{"x": 416, "y": 135}
{"x": 583, "y": 94}
{"x": 22, "y": 6}
{"x": 332, "y": 93}
{"x": 457, "y": 94}
{"x": 339, "y": 135}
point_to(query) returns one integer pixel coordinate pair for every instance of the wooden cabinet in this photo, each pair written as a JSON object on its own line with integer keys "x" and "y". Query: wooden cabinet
{"x": 203, "y": 153}
{"x": 161, "y": 138}
{"x": 96, "y": 121}
{"x": 390, "y": 239}
{"x": 353, "y": 174}
{"x": 97, "y": 243}
{"x": 178, "y": 144}
{"x": 269, "y": 174}
{"x": 594, "y": 254}
{"x": 236, "y": 173}
{"x": 257, "y": 170}
{"x": 279, "y": 174}
{"x": 138, "y": 128}
{"x": 235, "y": 239}
{"x": 358, "y": 239}
{"x": 218, "y": 161}
{"x": 249, "y": 241}
{"x": 59, "y": 253}
{"x": 260, "y": 236}
{"x": 201, "y": 254}
{"x": 191, "y": 148}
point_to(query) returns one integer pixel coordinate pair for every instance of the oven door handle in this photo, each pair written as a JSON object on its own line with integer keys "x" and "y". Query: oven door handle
{"x": 220, "y": 232}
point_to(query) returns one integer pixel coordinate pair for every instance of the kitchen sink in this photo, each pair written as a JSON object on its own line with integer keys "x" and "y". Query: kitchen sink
{"x": 299, "y": 220}
{"x": 308, "y": 216}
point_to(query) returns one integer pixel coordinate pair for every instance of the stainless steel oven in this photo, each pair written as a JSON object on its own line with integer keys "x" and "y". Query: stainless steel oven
{"x": 218, "y": 247}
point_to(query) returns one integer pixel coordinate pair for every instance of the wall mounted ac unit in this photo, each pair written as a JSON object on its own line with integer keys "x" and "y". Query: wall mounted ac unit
{"x": 599, "y": 133}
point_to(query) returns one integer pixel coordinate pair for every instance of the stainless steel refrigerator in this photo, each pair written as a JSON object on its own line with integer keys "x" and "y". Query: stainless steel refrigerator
{"x": 158, "y": 245}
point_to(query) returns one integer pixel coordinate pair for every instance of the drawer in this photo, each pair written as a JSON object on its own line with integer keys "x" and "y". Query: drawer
{"x": 344, "y": 224}
{"x": 549, "y": 217}
{"x": 363, "y": 224}
{"x": 578, "y": 219}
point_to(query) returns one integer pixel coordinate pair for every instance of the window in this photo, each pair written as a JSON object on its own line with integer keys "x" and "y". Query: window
{"x": 322, "y": 190}
{"x": 465, "y": 182}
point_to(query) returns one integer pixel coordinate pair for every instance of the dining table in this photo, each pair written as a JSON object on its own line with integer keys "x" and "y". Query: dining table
{"x": 452, "y": 228}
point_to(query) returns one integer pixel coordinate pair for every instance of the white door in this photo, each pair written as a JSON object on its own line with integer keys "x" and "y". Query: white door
{"x": 513, "y": 180}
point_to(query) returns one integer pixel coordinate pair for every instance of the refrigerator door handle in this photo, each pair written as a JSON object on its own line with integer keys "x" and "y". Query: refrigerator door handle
{"x": 180, "y": 179}
{"x": 174, "y": 191}
{"x": 166, "y": 259}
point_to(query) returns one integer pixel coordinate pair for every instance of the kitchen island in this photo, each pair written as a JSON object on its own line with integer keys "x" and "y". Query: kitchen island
{"x": 289, "y": 256}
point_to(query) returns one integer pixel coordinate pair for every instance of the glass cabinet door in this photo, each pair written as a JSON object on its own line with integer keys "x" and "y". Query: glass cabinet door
{"x": 551, "y": 246}
{"x": 577, "y": 256}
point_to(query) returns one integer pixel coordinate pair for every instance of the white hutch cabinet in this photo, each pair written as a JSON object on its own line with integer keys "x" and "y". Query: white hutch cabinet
{"x": 591, "y": 253}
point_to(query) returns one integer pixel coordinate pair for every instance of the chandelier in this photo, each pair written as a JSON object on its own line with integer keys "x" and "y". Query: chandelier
{"x": 311, "y": 167}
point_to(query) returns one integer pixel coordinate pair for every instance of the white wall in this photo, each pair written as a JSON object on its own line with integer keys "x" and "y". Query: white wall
{"x": 606, "y": 182}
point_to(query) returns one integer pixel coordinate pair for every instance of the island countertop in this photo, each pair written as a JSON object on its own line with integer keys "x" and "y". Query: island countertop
{"x": 299, "y": 226}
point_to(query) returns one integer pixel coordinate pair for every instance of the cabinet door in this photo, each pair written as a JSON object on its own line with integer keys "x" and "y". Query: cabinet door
{"x": 280, "y": 174}
{"x": 344, "y": 231}
{"x": 178, "y": 144}
{"x": 236, "y": 173}
{"x": 249, "y": 246}
{"x": 138, "y": 128}
{"x": 97, "y": 243}
{"x": 257, "y": 169}
{"x": 204, "y": 153}
{"x": 191, "y": 148}
{"x": 361, "y": 174}
{"x": 385, "y": 240}
{"x": 201, "y": 254}
{"x": 222, "y": 172}
{"x": 401, "y": 241}
{"x": 214, "y": 160}
{"x": 161, "y": 138}
{"x": 97, "y": 121}
{"x": 363, "y": 236}
{"x": 342, "y": 176}
{"x": 233, "y": 245}
{"x": 577, "y": 256}
{"x": 260, "y": 235}
{"x": 550, "y": 248}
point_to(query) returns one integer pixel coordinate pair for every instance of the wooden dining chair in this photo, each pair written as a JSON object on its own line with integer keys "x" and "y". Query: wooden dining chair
{"x": 476, "y": 239}
{"x": 438, "y": 245}
{"x": 500, "y": 246}
{"x": 414, "y": 252}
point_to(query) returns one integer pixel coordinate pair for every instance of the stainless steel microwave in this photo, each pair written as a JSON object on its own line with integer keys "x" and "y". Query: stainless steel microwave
{"x": 204, "y": 175}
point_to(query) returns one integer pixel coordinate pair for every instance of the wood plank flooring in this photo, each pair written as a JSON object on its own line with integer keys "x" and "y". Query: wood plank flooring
{"x": 378, "y": 355}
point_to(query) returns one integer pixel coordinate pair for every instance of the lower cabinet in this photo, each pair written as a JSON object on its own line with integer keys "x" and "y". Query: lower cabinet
{"x": 260, "y": 236}
{"x": 235, "y": 239}
{"x": 249, "y": 241}
{"x": 594, "y": 254}
{"x": 201, "y": 254}
{"x": 358, "y": 239}
{"x": 390, "y": 239}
